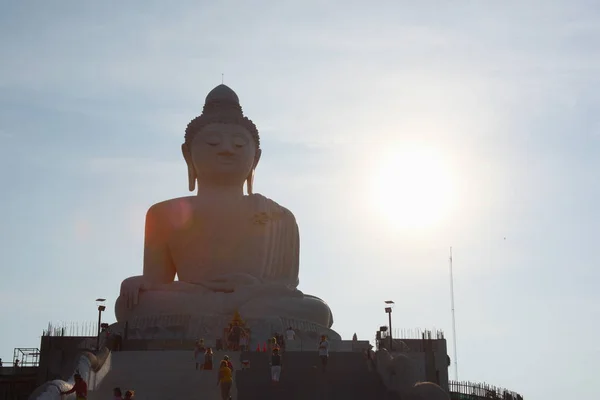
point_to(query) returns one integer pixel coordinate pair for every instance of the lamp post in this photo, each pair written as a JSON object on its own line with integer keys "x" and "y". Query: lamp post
{"x": 101, "y": 307}
{"x": 388, "y": 310}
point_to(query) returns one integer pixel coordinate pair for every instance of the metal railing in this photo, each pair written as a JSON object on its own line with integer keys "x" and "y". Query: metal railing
{"x": 63, "y": 328}
{"x": 478, "y": 391}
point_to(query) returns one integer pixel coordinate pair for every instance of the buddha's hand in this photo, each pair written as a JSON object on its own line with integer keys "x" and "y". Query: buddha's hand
{"x": 131, "y": 288}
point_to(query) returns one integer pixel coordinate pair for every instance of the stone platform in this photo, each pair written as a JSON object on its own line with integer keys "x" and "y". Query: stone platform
{"x": 186, "y": 327}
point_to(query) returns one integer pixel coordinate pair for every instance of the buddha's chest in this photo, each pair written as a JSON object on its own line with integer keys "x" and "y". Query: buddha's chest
{"x": 212, "y": 243}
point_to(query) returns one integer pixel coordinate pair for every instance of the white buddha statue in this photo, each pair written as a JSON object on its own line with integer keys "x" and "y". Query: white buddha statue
{"x": 230, "y": 251}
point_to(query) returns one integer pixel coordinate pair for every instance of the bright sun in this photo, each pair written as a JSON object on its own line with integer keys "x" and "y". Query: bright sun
{"x": 413, "y": 187}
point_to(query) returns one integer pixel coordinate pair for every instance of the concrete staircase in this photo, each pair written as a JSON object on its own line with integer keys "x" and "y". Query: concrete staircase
{"x": 162, "y": 375}
{"x": 171, "y": 375}
{"x": 347, "y": 378}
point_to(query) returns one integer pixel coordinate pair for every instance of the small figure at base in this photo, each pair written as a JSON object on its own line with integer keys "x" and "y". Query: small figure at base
{"x": 229, "y": 363}
{"x": 225, "y": 380}
{"x": 290, "y": 334}
{"x": 324, "y": 352}
{"x": 199, "y": 354}
{"x": 275, "y": 366}
{"x": 208, "y": 360}
{"x": 79, "y": 387}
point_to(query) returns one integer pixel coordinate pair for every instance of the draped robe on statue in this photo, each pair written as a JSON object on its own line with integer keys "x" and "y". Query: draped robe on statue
{"x": 244, "y": 259}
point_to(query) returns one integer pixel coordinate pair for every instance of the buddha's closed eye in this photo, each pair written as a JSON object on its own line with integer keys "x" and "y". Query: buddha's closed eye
{"x": 239, "y": 141}
{"x": 213, "y": 140}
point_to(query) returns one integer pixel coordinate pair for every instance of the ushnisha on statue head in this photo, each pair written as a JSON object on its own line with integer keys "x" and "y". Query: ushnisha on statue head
{"x": 222, "y": 146}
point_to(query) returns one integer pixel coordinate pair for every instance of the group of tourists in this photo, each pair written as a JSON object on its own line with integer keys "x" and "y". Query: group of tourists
{"x": 277, "y": 363}
{"x": 118, "y": 394}
{"x": 203, "y": 356}
{"x": 278, "y": 340}
{"x": 204, "y": 361}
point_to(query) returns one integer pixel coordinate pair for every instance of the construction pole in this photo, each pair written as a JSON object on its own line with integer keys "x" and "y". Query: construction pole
{"x": 453, "y": 318}
{"x": 390, "y": 321}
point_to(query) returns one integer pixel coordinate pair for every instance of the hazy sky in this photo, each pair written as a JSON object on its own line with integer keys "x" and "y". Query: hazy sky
{"x": 392, "y": 130}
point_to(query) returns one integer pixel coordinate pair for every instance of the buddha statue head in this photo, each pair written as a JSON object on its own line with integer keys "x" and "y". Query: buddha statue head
{"x": 222, "y": 146}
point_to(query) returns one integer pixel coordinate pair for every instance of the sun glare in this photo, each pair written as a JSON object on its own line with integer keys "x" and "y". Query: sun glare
{"x": 413, "y": 187}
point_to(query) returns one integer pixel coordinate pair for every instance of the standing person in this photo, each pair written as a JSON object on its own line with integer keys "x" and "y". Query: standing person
{"x": 273, "y": 343}
{"x": 79, "y": 387}
{"x": 117, "y": 394}
{"x": 129, "y": 395}
{"x": 324, "y": 351}
{"x": 225, "y": 380}
{"x": 275, "y": 366}
{"x": 199, "y": 352}
{"x": 229, "y": 364}
{"x": 208, "y": 359}
{"x": 290, "y": 334}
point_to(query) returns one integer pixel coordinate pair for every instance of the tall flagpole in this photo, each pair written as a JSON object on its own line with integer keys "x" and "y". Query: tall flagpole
{"x": 453, "y": 318}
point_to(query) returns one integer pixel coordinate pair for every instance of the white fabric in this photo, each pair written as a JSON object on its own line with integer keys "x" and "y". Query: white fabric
{"x": 290, "y": 334}
{"x": 275, "y": 372}
{"x": 324, "y": 348}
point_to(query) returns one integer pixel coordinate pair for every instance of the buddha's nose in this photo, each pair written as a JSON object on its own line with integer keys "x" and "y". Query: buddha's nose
{"x": 227, "y": 148}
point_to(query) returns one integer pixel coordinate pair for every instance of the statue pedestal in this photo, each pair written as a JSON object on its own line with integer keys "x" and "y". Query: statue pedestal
{"x": 186, "y": 327}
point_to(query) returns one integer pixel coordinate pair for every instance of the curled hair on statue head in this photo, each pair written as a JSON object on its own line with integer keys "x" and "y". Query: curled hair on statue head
{"x": 200, "y": 122}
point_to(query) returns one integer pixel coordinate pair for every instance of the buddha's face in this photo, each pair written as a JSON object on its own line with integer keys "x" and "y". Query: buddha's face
{"x": 223, "y": 154}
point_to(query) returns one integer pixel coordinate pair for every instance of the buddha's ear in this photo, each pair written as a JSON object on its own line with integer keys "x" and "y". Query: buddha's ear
{"x": 250, "y": 182}
{"x": 257, "y": 158}
{"x": 187, "y": 156}
{"x": 250, "y": 178}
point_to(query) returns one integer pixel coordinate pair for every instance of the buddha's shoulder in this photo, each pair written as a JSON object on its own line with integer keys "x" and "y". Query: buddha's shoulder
{"x": 172, "y": 206}
{"x": 262, "y": 204}
{"x": 185, "y": 205}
